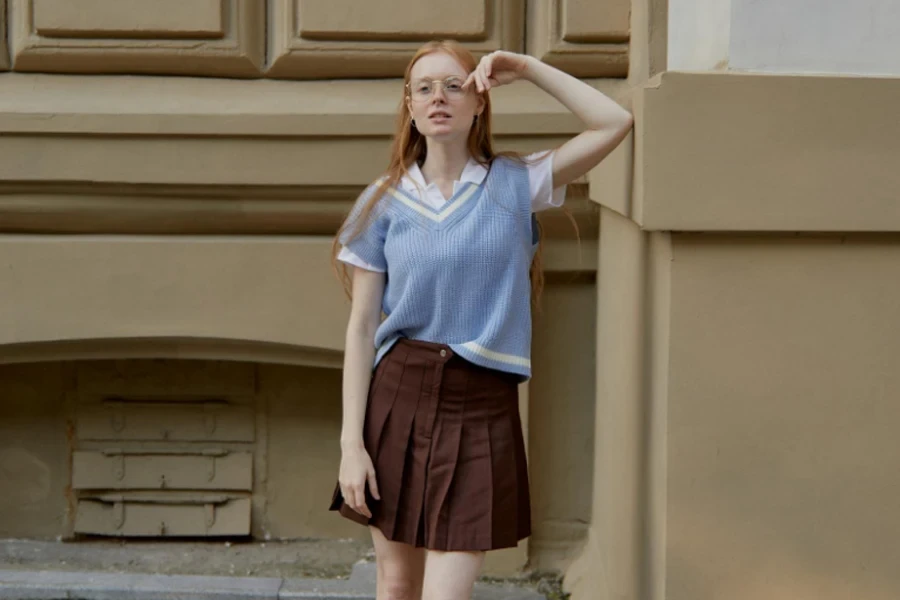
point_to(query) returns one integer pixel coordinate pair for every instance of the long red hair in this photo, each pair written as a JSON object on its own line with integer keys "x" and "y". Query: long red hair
{"x": 409, "y": 146}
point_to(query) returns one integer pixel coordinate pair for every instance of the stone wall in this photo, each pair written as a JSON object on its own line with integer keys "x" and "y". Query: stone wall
{"x": 171, "y": 177}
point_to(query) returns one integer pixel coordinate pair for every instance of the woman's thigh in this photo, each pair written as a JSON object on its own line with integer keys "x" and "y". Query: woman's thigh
{"x": 451, "y": 575}
{"x": 400, "y": 568}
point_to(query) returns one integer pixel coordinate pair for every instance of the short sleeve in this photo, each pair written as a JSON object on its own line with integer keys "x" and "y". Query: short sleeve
{"x": 540, "y": 180}
{"x": 364, "y": 246}
{"x": 345, "y": 255}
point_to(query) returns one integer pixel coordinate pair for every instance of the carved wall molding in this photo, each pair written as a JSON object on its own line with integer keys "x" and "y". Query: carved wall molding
{"x": 222, "y": 108}
{"x": 224, "y": 38}
{"x": 160, "y": 348}
{"x": 158, "y": 209}
{"x": 126, "y": 166}
{"x": 275, "y": 135}
{"x": 586, "y": 38}
{"x": 305, "y": 39}
{"x": 344, "y": 38}
{"x": 217, "y": 210}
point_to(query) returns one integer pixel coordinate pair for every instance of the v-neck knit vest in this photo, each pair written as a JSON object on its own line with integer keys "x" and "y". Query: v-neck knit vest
{"x": 459, "y": 275}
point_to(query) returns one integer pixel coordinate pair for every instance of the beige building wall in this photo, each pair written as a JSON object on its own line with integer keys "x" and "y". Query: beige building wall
{"x": 781, "y": 445}
{"x": 746, "y": 327}
{"x": 170, "y": 329}
{"x": 711, "y": 410}
{"x": 773, "y": 447}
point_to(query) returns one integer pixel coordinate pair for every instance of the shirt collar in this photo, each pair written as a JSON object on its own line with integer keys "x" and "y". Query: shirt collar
{"x": 474, "y": 172}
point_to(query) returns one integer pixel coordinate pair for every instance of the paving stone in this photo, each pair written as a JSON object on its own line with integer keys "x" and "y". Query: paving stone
{"x": 80, "y": 585}
{"x": 53, "y": 585}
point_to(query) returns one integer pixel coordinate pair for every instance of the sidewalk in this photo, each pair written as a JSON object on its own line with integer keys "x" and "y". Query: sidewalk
{"x": 59, "y": 585}
{"x": 32, "y": 570}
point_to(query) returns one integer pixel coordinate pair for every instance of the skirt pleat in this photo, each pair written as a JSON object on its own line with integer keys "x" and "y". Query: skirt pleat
{"x": 443, "y": 470}
{"x": 395, "y": 437}
{"x": 523, "y": 500}
{"x": 378, "y": 414}
{"x": 401, "y": 521}
{"x": 504, "y": 502}
{"x": 446, "y": 441}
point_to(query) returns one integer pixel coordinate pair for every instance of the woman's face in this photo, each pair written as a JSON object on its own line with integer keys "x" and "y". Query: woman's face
{"x": 441, "y": 110}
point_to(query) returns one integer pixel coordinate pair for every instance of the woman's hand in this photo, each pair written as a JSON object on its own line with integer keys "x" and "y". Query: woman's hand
{"x": 496, "y": 69}
{"x": 356, "y": 470}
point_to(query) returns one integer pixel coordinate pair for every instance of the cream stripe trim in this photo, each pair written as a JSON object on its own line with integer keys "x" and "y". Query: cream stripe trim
{"x": 445, "y": 213}
{"x": 498, "y": 356}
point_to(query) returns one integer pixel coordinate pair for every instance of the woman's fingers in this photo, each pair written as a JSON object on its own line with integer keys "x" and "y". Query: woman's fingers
{"x": 360, "y": 502}
{"x": 488, "y": 61}
{"x": 356, "y": 470}
{"x": 486, "y": 70}
{"x": 479, "y": 81}
{"x": 355, "y": 498}
{"x": 373, "y": 485}
{"x": 349, "y": 497}
{"x": 478, "y": 77}
{"x": 485, "y": 84}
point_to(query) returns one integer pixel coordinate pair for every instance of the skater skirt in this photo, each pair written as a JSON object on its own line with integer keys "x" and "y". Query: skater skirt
{"x": 446, "y": 441}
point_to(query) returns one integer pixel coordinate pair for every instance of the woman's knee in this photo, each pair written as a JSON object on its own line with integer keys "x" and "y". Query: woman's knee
{"x": 400, "y": 588}
{"x": 400, "y": 577}
{"x": 401, "y": 568}
{"x": 451, "y": 575}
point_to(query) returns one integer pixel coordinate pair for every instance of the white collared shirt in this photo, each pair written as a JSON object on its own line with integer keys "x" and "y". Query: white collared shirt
{"x": 540, "y": 180}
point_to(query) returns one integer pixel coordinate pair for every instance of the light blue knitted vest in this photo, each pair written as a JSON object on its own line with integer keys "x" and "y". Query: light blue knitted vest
{"x": 458, "y": 275}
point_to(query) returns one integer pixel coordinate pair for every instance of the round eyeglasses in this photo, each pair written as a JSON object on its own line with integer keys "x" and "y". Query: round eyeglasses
{"x": 422, "y": 90}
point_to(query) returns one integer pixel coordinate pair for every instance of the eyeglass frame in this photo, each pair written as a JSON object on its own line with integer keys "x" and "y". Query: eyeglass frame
{"x": 442, "y": 82}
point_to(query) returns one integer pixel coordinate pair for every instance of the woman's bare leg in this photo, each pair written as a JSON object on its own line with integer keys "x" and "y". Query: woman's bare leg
{"x": 451, "y": 575}
{"x": 400, "y": 568}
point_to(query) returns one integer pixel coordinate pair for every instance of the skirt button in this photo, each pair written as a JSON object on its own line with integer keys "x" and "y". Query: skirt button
{"x": 443, "y": 353}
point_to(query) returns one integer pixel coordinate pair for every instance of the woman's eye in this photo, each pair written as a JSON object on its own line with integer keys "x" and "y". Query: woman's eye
{"x": 454, "y": 86}
{"x": 423, "y": 88}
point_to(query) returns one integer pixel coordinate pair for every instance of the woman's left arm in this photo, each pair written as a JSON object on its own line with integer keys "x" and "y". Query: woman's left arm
{"x": 607, "y": 122}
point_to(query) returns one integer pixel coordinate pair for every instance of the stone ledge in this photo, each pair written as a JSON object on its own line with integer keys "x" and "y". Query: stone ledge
{"x": 171, "y": 131}
{"x": 86, "y": 208}
{"x": 184, "y": 106}
{"x": 738, "y": 152}
{"x": 83, "y": 288}
{"x": 156, "y": 296}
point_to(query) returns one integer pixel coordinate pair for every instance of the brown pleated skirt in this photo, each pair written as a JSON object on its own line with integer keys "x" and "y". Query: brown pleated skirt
{"x": 446, "y": 440}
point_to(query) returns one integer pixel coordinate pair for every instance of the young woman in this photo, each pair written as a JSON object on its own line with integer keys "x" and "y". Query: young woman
{"x": 445, "y": 245}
